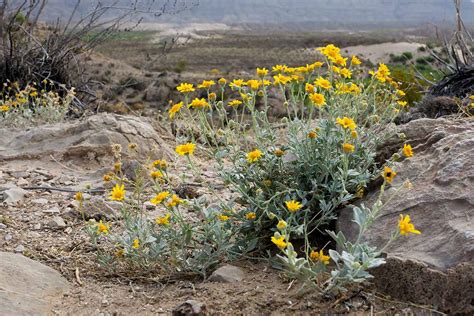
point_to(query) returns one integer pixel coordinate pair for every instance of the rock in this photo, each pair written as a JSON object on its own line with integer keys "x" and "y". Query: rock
{"x": 90, "y": 138}
{"x": 19, "y": 174}
{"x": 190, "y": 308}
{"x": 436, "y": 267}
{"x": 430, "y": 107}
{"x": 227, "y": 274}
{"x": 97, "y": 208}
{"x": 14, "y": 195}
{"x": 33, "y": 235}
{"x": 3, "y": 226}
{"x": 19, "y": 249}
{"x": 22, "y": 182}
{"x": 28, "y": 287}
{"x": 53, "y": 210}
{"x": 57, "y": 223}
{"x": 40, "y": 201}
{"x": 8, "y": 237}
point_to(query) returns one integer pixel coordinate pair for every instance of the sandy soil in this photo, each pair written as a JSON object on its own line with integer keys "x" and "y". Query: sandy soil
{"x": 381, "y": 52}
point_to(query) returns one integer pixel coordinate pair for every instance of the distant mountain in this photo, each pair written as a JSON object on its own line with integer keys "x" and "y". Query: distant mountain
{"x": 328, "y": 13}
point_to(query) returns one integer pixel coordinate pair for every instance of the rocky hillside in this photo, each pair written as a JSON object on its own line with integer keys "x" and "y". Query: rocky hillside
{"x": 336, "y": 13}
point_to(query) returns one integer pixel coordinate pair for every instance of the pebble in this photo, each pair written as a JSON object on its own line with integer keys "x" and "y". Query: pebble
{"x": 57, "y": 223}
{"x": 53, "y": 210}
{"x": 8, "y": 237}
{"x": 40, "y": 201}
{"x": 34, "y": 235}
{"x": 19, "y": 249}
{"x": 3, "y": 226}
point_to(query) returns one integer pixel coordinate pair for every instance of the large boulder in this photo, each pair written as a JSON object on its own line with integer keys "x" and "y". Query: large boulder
{"x": 90, "y": 138}
{"x": 436, "y": 267}
{"x": 28, "y": 287}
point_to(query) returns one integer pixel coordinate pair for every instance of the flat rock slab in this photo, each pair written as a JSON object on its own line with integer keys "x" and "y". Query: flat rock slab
{"x": 227, "y": 274}
{"x": 28, "y": 287}
{"x": 436, "y": 267}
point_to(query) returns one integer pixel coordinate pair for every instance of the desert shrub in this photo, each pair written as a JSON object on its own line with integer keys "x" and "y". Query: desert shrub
{"x": 404, "y": 57}
{"x": 33, "y": 104}
{"x": 290, "y": 177}
{"x": 181, "y": 66}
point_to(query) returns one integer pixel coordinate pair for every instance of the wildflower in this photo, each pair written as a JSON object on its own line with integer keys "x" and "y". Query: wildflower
{"x": 346, "y": 73}
{"x": 279, "y": 68}
{"x": 317, "y": 64}
{"x": 407, "y": 150}
{"x": 280, "y": 242}
{"x": 330, "y": 51}
{"x": 353, "y": 88}
{"x": 79, "y": 197}
{"x": 402, "y": 103}
{"x": 132, "y": 146}
{"x": 262, "y": 72}
{"x": 336, "y": 69}
{"x": 354, "y": 134}
{"x": 102, "y": 228}
{"x": 261, "y": 93}
{"x": 251, "y": 216}
{"x": 323, "y": 83}
{"x": 355, "y": 61}
{"x": 164, "y": 221}
{"x": 348, "y": 148}
{"x": 212, "y": 96}
{"x": 388, "y": 174}
{"x": 199, "y": 103}
{"x": 341, "y": 60}
{"x": 234, "y": 103}
{"x": 281, "y": 79}
{"x": 223, "y": 218}
{"x": 254, "y": 156}
{"x": 346, "y": 122}
{"x": 222, "y": 81}
{"x": 107, "y": 177}
{"x": 406, "y": 227}
{"x": 206, "y": 84}
{"x": 4, "y": 108}
{"x": 119, "y": 253}
{"x": 312, "y": 135}
{"x": 160, "y": 197}
{"x": 281, "y": 224}
{"x": 309, "y": 88}
{"x": 136, "y": 243}
{"x": 185, "y": 149}
{"x": 254, "y": 84}
{"x": 401, "y": 93}
{"x": 318, "y": 99}
{"x": 383, "y": 73}
{"x": 118, "y": 192}
{"x": 156, "y": 174}
{"x": 267, "y": 183}
{"x": 162, "y": 164}
{"x": 237, "y": 83}
{"x": 175, "y": 200}
{"x": 320, "y": 256}
{"x": 117, "y": 167}
{"x": 360, "y": 192}
{"x": 185, "y": 88}
{"x": 175, "y": 109}
{"x": 407, "y": 184}
{"x": 293, "y": 205}
{"x": 278, "y": 152}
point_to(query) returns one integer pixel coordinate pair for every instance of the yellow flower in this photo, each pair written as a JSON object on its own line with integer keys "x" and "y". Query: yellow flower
{"x": 280, "y": 242}
{"x": 279, "y": 68}
{"x": 223, "y": 218}
{"x": 267, "y": 183}
{"x": 383, "y": 73}
{"x": 340, "y": 60}
{"x": 164, "y": 221}
{"x": 330, "y": 51}
{"x": 402, "y": 103}
{"x": 401, "y": 93}
{"x": 406, "y": 227}
{"x": 102, "y": 228}
{"x": 318, "y": 99}
{"x": 346, "y": 122}
{"x": 118, "y": 192}
{"x": 117, "y": 167}
{"x": 206, "y": 84}
{"x": 160, "y": 164}
{"x": 355, "y": 61}
{"x": 222, "y": 81}
{"x": 293, "y": 205}
{"x": 407, "y": 150}
{"x": 4, "y": 108}
{"x": 336, "y": 69}
{"x": 185, "y": 88}
{"x": 317, "y": 64}
{"x": 136, "y": 243}
{"x": 323, "y": 83}
{"x": 254, "y": 156}
{"x": 281, "y": 224}
{"x": 254, "y": 84}
{"x": 79, "y": 196}
{"x": 175, "y": 200}
{"x": 234, "y": 103}
{"x": 354, "y": 134}
{"x": 212, "y": 96}
{"x": 237, "y": 83}
{"x": 185, "y": 149}
{"x": 388, "y": 174}
{"x": 314, "y": 255}
{"x": 250, "y": 216}
{"x": 309, "y": 88}
{"x": 160, "y": 197}
{"x": 278, "y": 152}
{"x": 107, "y": 177}
{"x": 346, "y": 73}
{"x": 175, "y": 109}
{"x": 199, "y": 103}
{"x": 156, "y": 174}
{"x": 262, "y": 72}
{"x": 312, "y": 135}
{"x": 281, "y": 79}
{"x": 348, "y": 148}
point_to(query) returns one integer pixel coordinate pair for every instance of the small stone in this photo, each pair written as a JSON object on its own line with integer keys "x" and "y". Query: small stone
{"x": 37, "y": 226}
{"x": 227, "y": 274}
{"x": 8, "y": 237}
{"x": 14, "y": 195}
{"x": 33, "y": 235}
{"x": 53, "y": 210}
{"x": 68, "y": 230}
{"x": 149, "y": 206}
{"x": 3, "y": 226}
{"x": 190, "y": 307}
{"x": 22, "y": 182}
{"x": 20, "y": 249}
{"x": 19, "y": 174}
{"x": 40, "y": 201}
{"x": 57, "y": 223}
